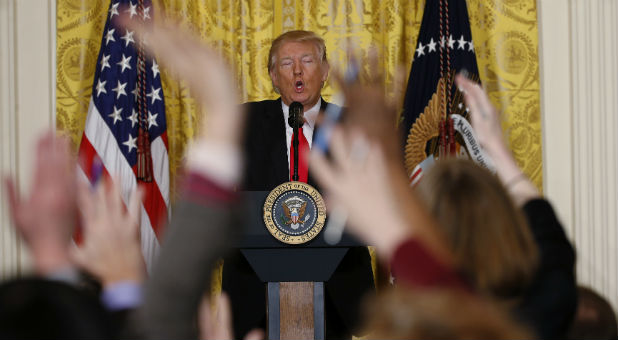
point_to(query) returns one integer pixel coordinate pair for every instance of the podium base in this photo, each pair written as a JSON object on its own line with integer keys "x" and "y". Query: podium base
{"x": 295, "y": 310}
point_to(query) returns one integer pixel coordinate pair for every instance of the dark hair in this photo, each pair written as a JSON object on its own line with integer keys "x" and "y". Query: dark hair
{"x": 595, "y": 318}
{"x": 44, "y": 309}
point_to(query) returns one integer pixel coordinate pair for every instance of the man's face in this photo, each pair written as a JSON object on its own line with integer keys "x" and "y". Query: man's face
{"x": 299, "y": 73}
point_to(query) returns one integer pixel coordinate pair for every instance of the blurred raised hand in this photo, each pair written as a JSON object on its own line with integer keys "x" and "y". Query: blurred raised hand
{"x": 45, "y": 217}
{"x": 358, "y": 180}
{"x": 486, "y": 123}
{"x": 203, "y": 69}
{"x": 111, "y": 250}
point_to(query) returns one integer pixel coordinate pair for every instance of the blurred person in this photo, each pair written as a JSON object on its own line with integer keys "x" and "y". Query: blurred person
{"x": 50, "y": 304}
{"x": 207, "y": 215}
{"x": 595, "y": 318}
{"x": 298, "y": 67}
{"x": 548, "y": 304}
{"x": 439, "y": 314}
{"x": 488, "y": 235}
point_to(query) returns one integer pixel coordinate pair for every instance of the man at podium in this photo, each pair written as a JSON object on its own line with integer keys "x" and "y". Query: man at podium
{"x": 298, "y": 68}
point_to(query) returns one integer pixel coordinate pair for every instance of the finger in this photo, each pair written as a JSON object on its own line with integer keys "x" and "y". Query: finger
{"x": 205, "y": 319}
{"x": 13, "y": 196}
{"x": 338, "y": 148}
{"x": 398, "y": 86}
{"x": 224, "y": 316}
{"x": 114, "y": 197}
{"x": 322, "y": 171}
{"x": 135, "y": 207}
{"x": 85, "y": 202}
{"x": 78, "y": 256}
{"x": 375, "y": 76}
{"x": 255, "y": 334}
{"x": 99, "y": 200}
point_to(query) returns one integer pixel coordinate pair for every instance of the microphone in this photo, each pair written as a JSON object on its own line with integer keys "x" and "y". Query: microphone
{"x": 295, "y": 119}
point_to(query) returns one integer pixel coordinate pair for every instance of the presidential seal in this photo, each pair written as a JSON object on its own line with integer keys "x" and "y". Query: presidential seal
{"x": 294, "y": 212}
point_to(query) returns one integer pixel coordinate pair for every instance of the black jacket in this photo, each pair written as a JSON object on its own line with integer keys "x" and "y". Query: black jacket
{"x": 266, "y": 167}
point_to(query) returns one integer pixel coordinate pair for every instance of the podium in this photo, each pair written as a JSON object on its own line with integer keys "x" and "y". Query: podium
{"x": 294, "y": 274}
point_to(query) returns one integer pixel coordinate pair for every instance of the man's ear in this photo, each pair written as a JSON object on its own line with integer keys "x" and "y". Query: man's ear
{"x": 325, "y": 69}
{"x": 273, "y": 77}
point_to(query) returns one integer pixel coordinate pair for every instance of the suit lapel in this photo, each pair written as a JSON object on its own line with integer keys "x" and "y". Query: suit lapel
{"x": 279, "y": 152}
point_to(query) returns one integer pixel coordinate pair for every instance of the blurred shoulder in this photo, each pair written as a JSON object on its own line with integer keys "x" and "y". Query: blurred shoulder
{"x": 262, "y": 106}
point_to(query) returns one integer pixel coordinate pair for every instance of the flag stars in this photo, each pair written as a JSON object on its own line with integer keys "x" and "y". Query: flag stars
{"x": 155, "y": 69}
{"x": 130, "y": 143}
{"x": 119, "y": 89}
{"x": 132, "y": 10}
{"x": 128, "y": 38}
{"x": 101, "y": 87}
{"x": 420, "y": 50}
{"x": 105, "y": 62}
{"x": 152, "y": 119}
{"x": 146, "y": 14}
{"x": 113, "y": 10}
{"x": 110, "y": 36}
{"x": 451, "y": 42}
{"x": 124, "y": 63}
{"x": 133, "y": 118}
{"x": 432, "y": 46}
{"x": 116, "y": 114}
{"x": 462, "y": 43}
{"x": 471, "y": 46}
{"x": 154, "y": 94}
{"x": 442, "y": 42}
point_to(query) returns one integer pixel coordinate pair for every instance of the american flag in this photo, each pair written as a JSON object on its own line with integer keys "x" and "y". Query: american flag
{"x": 127, "y": 96}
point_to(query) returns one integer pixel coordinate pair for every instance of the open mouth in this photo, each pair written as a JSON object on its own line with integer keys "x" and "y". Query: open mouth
{"x": 299, "y": 86}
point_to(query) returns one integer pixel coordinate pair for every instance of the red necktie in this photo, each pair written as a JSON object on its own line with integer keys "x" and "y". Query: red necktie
{"x": 303, "y": 149}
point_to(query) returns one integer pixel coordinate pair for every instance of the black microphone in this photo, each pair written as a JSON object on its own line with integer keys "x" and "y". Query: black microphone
{"x": 296, "y": 121}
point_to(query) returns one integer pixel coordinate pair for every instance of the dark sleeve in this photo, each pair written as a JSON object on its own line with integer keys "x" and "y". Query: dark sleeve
{"x": 414, "y": 266}
{"x": 197, "y": 236}
{"x": 550, "y": 303}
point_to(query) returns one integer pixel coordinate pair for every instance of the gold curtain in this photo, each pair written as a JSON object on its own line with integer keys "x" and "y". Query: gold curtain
{"x": 504, "y": 31}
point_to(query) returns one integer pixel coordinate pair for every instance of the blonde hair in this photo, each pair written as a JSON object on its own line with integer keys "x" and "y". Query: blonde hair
{"x": 489, "y": 236}
{"x": 403, "y": 313}
{"x": 296, "y": 36}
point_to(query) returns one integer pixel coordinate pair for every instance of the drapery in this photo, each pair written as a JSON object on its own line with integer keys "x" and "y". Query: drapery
{"x": 504, "y": 32}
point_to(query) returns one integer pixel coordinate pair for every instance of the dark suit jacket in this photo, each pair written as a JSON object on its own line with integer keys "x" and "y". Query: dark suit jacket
{"x": 267, "y": 167}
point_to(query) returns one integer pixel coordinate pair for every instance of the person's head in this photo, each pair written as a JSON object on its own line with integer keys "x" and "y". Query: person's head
{"x": 438, "y": 314}
{"x": 595, "y": 317}
{"x": 298, "y": 67}
{"x": 34, "y": 308}
{"x": 488, "y": 235}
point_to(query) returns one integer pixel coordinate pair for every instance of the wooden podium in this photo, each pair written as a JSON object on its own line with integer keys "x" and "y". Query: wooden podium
{"x": 294, "y": 275}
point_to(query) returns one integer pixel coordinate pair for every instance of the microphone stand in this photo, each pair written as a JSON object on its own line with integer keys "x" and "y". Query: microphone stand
{"x": 295, "y": 143}
{"x": 295, "y": 121}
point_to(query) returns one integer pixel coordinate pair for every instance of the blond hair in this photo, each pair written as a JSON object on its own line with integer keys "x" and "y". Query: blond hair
{"x": 296, "y": 36}
{"x": 489, "y": 236}
{"x": 403, "y": 313}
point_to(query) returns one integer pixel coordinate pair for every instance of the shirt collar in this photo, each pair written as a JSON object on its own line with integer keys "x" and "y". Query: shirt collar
{"x": 310, "y": 115}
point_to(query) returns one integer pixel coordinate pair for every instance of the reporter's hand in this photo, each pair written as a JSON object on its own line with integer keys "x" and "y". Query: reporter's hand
{"x": 486, "y": 124}
{"x": 111, "y": 250}
{"x": 205, "y": 72}
{"x": 45, "y": 218}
